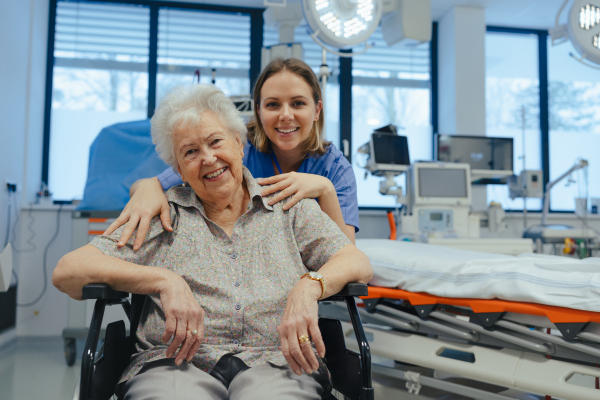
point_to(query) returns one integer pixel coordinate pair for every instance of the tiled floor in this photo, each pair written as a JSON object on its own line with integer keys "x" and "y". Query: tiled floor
{"x": 36, "y": 369}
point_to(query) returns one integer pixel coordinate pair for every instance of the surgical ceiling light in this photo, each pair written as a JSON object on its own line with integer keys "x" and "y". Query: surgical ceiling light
{"x": 342, "y": 23}
{"x": 582, "y": 28}
{"x": 589, "y": 16}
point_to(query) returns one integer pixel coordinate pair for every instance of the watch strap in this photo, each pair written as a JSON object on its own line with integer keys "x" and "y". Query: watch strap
{"x": 322, "y": 280}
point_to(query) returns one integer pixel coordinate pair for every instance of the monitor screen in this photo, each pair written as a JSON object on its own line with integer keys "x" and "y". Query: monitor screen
{"x": 390, "y": 149}
{"x": 480, "y": 152}
{"x": 442, "y": 182}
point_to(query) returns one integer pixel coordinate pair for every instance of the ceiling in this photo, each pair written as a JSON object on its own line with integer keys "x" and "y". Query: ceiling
{"x": 534, "y": 14}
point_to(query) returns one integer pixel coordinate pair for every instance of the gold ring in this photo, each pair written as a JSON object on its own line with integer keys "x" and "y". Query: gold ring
{"x": 303, "y": 339}
{"x": 194, "y": 332}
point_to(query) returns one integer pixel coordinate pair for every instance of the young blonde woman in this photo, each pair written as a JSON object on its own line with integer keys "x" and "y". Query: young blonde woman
{"x": 285, "y": 149}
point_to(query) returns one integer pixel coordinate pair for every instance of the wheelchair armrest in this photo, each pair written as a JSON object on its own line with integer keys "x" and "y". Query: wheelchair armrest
{"x": 102, "y": 291}
{"x": 352, "y": 289}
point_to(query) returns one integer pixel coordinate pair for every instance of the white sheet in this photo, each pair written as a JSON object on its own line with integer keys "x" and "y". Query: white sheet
{"x": 448, "y": 272}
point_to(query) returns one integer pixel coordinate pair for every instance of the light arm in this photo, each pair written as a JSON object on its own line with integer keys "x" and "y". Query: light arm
{"x": 582, "y": 164}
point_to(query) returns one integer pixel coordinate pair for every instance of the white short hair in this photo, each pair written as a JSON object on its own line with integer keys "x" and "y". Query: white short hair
{"x": 184, "y": 105}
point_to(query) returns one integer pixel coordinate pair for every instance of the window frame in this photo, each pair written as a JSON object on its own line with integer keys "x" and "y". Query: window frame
{"x": 542, "y": 37}
{"x": 256, "y": 40}
{"x": 345, "y": 79}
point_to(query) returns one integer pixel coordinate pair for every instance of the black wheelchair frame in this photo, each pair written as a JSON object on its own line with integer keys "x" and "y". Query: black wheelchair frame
{"x": 101, "y": 371}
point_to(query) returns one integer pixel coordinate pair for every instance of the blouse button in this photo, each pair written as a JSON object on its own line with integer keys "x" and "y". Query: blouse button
{"x": 237, "y": 284}
{"x": 234, "y": 256}
{"x": 238, "y": 307}
{"x": 236, "y": 342}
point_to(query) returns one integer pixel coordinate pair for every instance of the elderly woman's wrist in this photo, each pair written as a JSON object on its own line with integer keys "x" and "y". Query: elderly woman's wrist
{"x": 163, "y": 279}
{"x": 313, "y": 288}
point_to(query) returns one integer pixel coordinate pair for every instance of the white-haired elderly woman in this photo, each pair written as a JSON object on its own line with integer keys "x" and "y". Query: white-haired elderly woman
{"x": 233, "y": 289}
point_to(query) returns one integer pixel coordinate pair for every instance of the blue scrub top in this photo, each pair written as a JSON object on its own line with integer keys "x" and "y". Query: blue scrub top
{"x": 332, "y": 165}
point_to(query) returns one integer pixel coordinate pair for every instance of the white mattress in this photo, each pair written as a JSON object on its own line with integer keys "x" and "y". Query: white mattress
{"x": 448, "y": 272}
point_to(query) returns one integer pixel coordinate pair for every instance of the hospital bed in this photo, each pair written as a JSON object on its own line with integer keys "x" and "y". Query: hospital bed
{"x": 480, "y": 325}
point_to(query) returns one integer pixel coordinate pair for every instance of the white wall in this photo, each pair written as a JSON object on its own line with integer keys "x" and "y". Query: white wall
{"x": 23, "y": 42}
{"x": 14, "y": 45}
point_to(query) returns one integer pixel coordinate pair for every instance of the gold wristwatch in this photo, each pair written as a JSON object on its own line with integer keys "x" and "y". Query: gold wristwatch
{"x": 315, "y": 276}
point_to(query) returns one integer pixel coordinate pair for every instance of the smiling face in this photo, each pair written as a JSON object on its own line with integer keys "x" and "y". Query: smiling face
{"x": 209, "y": 158}
{"x": 287, "y": 110}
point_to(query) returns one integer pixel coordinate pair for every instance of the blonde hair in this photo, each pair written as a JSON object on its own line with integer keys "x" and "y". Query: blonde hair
{"x": 314, "y": 144}
{"x": 184, "y": 105}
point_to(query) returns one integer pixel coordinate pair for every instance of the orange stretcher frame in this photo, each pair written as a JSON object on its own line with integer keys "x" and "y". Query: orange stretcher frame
{"x": 556, "y": 315}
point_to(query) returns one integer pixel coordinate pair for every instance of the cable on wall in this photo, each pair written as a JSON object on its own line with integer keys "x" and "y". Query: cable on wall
{"x": 45, "y": 272}
{"x": 29, "y": 242}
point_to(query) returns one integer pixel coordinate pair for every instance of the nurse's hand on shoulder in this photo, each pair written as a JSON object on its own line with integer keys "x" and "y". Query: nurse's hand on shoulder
{"x": 297, "y": 185}
{"x": 147, "y": 201}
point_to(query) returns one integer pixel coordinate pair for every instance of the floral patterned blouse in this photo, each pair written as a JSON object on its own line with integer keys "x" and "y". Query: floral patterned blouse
{"x": 242, "y": 282}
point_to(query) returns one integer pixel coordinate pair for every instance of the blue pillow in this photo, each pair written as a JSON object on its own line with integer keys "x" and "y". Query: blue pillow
{"x": 120, "y": 155}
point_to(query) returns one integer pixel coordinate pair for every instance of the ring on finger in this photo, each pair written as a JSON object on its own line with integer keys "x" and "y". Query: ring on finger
{"x": 194, "y": 332}
{"x": 303, "y": 339}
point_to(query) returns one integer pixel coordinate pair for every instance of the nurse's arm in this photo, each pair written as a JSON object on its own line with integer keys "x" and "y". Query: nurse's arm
{"x": 295, "y": 186}
{"x": 147, "y": 201}
{"x": 330, "y": 205}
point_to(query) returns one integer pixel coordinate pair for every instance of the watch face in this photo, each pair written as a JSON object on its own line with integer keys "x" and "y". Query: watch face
{"x": 315, "y": 275}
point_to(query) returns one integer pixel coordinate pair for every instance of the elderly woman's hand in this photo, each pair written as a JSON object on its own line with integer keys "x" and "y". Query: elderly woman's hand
{"x": 297, "y": 185}
{"x": 148, "y": 200}
{"x": 183, "y": 315}
{"x": 301, "y": 318}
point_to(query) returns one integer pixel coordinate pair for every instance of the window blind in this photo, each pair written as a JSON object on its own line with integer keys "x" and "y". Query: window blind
{"x": 399, "y": 65}
{"x": 115, "y": 36}
{"x": 190, "y": 40}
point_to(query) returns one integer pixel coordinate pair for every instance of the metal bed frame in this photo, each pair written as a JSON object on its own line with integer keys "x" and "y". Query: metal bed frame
{"x": 529, "y": 347}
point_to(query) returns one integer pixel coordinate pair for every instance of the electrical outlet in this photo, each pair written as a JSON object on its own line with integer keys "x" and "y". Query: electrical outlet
{"x": 11, "y": 186}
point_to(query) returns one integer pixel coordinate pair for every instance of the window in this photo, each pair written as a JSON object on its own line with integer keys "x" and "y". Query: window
{"x": 102, "y": 71}
{"x": 313, "y": 57}
{"x": 193, "y": 40}
{"x": 513, "y": 105}
{"x": 391, "y": 85}
{"x": 574, "y": 112}
{"x": 100, "y": 78}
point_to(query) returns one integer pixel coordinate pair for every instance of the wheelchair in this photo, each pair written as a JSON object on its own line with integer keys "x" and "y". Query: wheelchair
{"x": 101, "y": 371}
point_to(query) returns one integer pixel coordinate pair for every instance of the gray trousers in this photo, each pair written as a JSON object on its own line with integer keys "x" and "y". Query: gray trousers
{"x": 162, "y": 380}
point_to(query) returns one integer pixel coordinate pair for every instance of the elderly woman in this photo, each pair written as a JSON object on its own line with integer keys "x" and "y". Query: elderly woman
{"x": 233, "y": 288}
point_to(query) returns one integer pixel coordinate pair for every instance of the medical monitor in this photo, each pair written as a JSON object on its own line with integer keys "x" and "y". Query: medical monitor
{"x": 390, "y": 149}
{"x": 388, "y": 153}
{"x": 441, "y": 184}
{"x": 489, "y": 157}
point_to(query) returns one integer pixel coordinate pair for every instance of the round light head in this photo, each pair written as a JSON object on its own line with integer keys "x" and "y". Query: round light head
{"x": 342, "y": 23}
{"x": 584, "y": 28}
